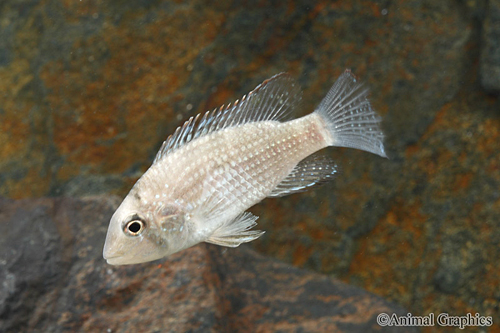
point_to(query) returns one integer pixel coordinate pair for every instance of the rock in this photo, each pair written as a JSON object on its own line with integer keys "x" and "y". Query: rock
{"x": 90, "y": 89}
{"x": 54, "y": 279}
{"x": 490, "y": 48}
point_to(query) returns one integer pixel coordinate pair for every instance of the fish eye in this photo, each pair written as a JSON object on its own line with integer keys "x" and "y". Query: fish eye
{"x": 134, "y": 227}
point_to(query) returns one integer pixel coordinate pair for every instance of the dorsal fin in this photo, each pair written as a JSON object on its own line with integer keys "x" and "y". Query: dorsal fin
{"x": 312, "y": 171}
{"x": 273, "y": 99}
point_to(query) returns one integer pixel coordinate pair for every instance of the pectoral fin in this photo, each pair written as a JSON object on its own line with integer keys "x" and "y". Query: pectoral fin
{"x": 237, "y": 231}
{"x": 312, "y": 171}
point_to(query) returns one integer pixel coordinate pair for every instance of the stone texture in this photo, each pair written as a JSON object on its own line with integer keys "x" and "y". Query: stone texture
{"x": 54, "y": 279}
{"x": 490, "y": 48}
{"x": 89, "y": 89}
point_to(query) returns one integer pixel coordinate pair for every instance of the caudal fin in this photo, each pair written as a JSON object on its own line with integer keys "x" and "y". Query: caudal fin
{"x": 350, "y": 118}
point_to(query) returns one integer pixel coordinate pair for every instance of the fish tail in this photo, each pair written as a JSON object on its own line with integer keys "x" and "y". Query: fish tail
{"x": 349, "y": 117}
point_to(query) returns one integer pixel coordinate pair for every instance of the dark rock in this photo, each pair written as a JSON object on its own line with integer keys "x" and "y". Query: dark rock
{"x": 54, "y": 279}
{"x": 490, "y": 48}
{"x": 30, "y": 259}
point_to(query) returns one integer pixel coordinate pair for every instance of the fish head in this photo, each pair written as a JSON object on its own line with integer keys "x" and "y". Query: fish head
{"x": 137, "y": 233}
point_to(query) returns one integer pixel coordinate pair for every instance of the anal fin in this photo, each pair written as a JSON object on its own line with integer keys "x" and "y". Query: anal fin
{"x": 312, "y": 171}
{"x": 235, "y": 232}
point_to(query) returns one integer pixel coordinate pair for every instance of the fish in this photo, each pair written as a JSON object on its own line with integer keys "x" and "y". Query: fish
{"x": 217, "y": 165}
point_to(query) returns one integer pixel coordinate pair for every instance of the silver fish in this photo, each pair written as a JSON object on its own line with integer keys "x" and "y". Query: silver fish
{"x": 218, "y": 165}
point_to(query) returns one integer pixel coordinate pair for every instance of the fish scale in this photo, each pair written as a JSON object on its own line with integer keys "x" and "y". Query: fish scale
{"x": 253, "y": 145}
{"x": 216, "y": 166}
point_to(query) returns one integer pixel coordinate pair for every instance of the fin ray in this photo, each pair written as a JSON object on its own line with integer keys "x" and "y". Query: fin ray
{"x": 273, "y": 99}
{"x": 350, "y": 118}
{"x": 312, "y": 171}
{"x": 236, "y": 231}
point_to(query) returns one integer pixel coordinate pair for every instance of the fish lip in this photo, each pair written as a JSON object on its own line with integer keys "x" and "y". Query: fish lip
{"x": 106, "y": 255}
{"x": 110, "y": 257}
{"x": 122, "y": 260}
{"x": 114, "y": 259}
{"x": 109, "y": 252}
{"x": 110, "y": 261}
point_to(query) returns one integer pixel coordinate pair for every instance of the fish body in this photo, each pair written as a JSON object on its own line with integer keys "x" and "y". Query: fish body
{"x": 216, "y": 166}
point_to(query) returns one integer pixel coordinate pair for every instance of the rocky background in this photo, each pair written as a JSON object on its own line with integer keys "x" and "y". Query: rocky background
{"x": 55, "y": 280}
{"x": 89, "y": 89}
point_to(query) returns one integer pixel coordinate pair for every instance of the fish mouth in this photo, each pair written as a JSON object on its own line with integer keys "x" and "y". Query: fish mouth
{"x": 118, "y": 257}
{"x": 110, "y": 257}
{"x": 111, "y": 253}
{"x": 113, "y": 260}
{"x": 122, "y": 260}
